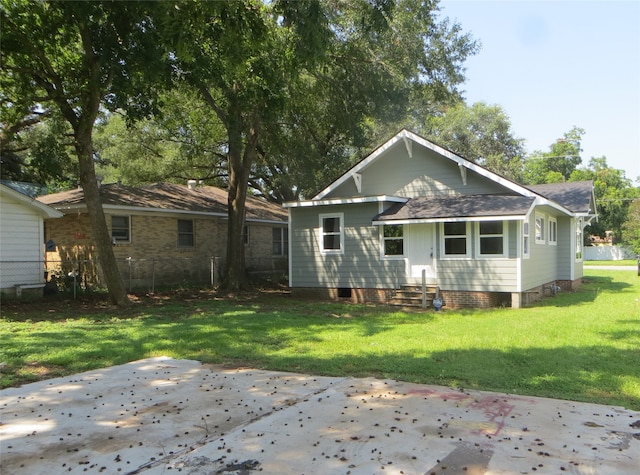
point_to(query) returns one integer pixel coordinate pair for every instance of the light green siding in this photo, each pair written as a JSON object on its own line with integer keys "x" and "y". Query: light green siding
{"x": 549, "y": 262}
{"x": 360, "y": 266}
{"x": 425, "y": 174}
{"x": 481, "y": 274}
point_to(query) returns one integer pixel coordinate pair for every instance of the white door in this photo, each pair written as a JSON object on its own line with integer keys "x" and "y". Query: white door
{"x": 420, "y": 240}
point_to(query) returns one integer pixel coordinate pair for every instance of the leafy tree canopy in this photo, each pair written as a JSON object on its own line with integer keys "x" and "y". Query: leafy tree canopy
{"x": 614, "y": 193}
{"x": 631, "y": 227}
{"x": 480, "y": 133}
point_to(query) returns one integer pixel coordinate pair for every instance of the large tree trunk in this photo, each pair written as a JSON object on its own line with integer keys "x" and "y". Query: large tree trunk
{"x": 106, "y": 257}
{"x": 240, "y": 161}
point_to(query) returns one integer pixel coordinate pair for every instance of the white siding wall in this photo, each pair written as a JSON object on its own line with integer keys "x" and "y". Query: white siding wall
{"x": 21, "y": 235}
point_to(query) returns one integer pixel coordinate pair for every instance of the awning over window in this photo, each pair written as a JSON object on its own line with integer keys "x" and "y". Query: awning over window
{"x": 456, "y": 208}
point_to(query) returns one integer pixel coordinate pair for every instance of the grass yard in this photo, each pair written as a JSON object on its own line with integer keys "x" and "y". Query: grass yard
{"x": 583, "y": 346}
{"x": 625, "y": 262}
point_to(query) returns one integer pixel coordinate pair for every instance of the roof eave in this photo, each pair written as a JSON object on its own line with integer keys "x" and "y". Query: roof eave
{"x": 343, "y": 201}
{"x": 450, "y": 219}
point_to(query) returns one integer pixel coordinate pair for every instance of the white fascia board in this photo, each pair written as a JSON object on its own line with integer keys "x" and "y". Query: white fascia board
{"x": 450, "y": 220}
{"x": 346, "y": 201}
{"x": 531, "y": 209}
{"x": 461, "y": 162}
{"x": 264, "y": 221}
{"x": 140, "y": 210}
{"x": 364, "y": 163}
{"x": 43, "y": 209}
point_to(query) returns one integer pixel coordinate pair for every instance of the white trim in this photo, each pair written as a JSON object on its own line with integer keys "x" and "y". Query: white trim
{"x": 321, "y": 218}
{"x": 409, "y": 144}
{"x": 461, "y": 162}
{"x": 505, "y": 242}
{"x": 346, "y": 201}
{"x": 467, "y": 235}
{"x": 383, "y": 239}
{"x": 357, "y": 179}
{"x": 448, "y": 220}
{"x": 463, "y": 174}
{"x": 140, "y": 211}
{"x": 552, "y": 221}
{"x": 518, "y": 274}
{"x": 543, "y": 231}
{"x": 290, "y": 261}
{"x": 521, "y": 233}
{"x": 43, "y": 209}
{"x": 578, "y": 236}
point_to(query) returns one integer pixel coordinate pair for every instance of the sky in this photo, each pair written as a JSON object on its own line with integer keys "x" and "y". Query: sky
{"x": 553, "y": 65}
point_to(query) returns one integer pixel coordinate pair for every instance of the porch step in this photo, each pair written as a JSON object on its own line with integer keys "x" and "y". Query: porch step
{"x": 411, "y": 296}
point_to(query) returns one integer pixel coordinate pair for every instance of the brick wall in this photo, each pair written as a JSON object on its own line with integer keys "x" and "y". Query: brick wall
{"x": 153, "y": 238}
{"x": 468, "y": 299}
{"x": 345, "y": 295}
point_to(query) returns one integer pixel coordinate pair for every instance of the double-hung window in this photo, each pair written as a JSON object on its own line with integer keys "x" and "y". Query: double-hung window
{"x": 280, "y": 242}
{"x": 393, "y": 240}
{"x": 553, "y": 231}
{"x": 540, "y": 229}
{"x": 186, "y": 234}
{"x": 578, "y": 239}
{"x": 491, "y": 238}
{"x": 332, "y": 233}
{"x": 455, "y": 239}
{"x": 525, "y": 240}
{"x": 120, "y": 229}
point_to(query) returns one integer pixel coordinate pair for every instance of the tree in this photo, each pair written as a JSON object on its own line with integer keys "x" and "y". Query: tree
{"x": 41, "y": 153}
{"x": 249, "y": 59}
{"x": 480, "y": 133}
{"x": 556, "y": 165}
{"x": 74, "y": 58}
{"x": 631, "y": 228}
{"x": 184, "y": 141}
{"x": 613, "y": 192}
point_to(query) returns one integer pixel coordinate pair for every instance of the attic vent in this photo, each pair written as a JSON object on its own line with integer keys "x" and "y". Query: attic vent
{"x": 191, "y": 184}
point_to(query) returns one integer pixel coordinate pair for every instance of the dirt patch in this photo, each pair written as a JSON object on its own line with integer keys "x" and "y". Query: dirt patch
{"x": 59, "y": 307}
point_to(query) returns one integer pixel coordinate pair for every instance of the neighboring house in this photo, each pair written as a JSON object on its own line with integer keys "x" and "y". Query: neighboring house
{"x": 164, "y": 233}
{"x": 22, "y": 241}
{"x": 412, "y": 207}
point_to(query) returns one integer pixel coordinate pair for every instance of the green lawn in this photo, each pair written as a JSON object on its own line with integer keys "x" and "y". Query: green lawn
{"x": 625, "y": 262}
{"x": 583, "y": 346}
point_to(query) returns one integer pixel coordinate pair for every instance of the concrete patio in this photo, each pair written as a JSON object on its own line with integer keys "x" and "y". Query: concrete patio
{"x": 163, "y": 416}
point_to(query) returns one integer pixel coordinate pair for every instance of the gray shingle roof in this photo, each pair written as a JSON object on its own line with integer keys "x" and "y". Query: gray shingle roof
{"x": 167, "y": 196}
{"x": 575, "y": 196}
{"x": 465, "y": 206}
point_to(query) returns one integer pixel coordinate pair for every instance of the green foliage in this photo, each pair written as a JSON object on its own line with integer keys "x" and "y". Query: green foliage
{"x": 558, "y": 164}
{"x": 530, "y": 351}
{"x": 613, "y": 192}
{"x": 480, "y": 133}
{"x": 631, "y": 228}
{"x": 185, "y": 141}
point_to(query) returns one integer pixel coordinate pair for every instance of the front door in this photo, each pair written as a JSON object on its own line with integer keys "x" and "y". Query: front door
{"x": 420, "y": 251}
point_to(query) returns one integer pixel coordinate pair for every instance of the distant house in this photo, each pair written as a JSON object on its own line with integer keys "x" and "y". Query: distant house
{"x": 165, "y": 233}
{"x": 22, "y": 241}
{"x": 412, "y": 209}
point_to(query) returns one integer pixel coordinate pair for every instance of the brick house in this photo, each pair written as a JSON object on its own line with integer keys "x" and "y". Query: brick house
{"x": 162, "y": 234}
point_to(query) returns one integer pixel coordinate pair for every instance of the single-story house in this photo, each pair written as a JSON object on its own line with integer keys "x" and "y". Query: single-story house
{"x": 413, "y": 211}
{"x": 163, "y": 233}
{"x": 22, "y": 241}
